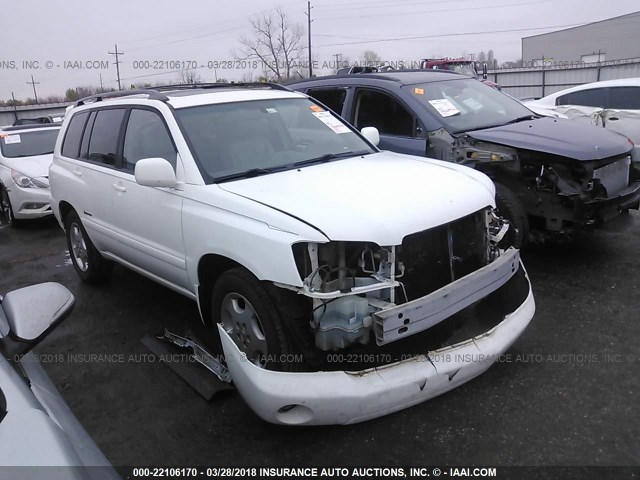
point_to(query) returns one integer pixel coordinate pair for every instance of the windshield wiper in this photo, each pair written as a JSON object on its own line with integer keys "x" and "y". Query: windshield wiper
{"x": 521, "y": 119}
{"x": 252, "y": 172}
{"x": 331, "y": 156}
{"x": 487, "y": 127}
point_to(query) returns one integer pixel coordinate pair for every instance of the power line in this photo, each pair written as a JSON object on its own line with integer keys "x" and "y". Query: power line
{"x": 33, "y": 83}
{"x": 382, "y": 4}
{"x": 117, "y": 62}
{"x": 344, "y": 17}
{"x": 419, "y": 37}
{"x": 286, "y": 7}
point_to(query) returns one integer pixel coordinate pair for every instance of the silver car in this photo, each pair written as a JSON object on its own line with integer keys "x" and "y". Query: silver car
{"x": 37, "y": 430}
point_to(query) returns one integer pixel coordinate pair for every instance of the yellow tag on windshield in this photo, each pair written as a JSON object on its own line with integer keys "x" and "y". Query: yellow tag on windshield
{"x": 418, "y": 91}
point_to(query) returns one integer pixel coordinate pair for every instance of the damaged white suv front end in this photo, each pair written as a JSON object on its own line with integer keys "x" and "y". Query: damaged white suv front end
{"x": 415, "y": 299}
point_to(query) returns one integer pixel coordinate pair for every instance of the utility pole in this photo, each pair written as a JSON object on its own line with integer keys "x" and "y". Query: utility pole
{"x": 337, "y": 55}
{"x": 33, "y": 84}
{"x": 309, "y": 35}
{"x": 117, "y": 63}
{"x": 101, "y": 85}
{"x": 15, "y": 110}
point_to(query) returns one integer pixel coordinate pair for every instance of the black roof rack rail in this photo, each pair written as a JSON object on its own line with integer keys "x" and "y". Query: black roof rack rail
{"x": 29, "y": 126}
{"x": 186, "y": 86}
{"x": 98, "y": 97}
{"x": 155, "y": 93}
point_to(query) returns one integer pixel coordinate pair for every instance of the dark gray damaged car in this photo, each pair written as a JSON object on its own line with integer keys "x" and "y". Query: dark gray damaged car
{"x": 552, "y": 176}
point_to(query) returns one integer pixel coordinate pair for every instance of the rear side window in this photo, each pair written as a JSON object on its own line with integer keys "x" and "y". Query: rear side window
{"x": 590, "y": 98}
{"x": 331, "y": 97}
{"x": 146, "y": 137}
{"x": 377, "y": 109}
{"x": 624, "y": 98}
{"x": 103, "y": 144}
{"x": 71, "y": 145}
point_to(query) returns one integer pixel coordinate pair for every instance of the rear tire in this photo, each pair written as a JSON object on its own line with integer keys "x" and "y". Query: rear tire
{"x": 241, "y": 303}
{"x": 510, "y": 207}
{"x": 90, "y": 266}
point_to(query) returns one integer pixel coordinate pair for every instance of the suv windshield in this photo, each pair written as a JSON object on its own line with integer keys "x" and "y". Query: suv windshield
{"x": 28, "y": 144}
{"x": 464, "y": 105}
{"x": 241, "y": 139}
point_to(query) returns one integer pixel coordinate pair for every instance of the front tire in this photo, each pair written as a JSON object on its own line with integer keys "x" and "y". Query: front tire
{"x": 90, "y": 266}
{"x": 6, "y": 209}
{"x": 248, "y": 314}
{"x": 510, "y": 207}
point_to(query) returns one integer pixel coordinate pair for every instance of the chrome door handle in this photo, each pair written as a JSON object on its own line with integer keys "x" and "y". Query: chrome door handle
{"x": 77, "y": 172}
{"x": 120, "y": 188}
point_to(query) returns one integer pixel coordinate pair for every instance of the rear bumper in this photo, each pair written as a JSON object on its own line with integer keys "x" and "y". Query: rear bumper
{"x": 341, "y": 397}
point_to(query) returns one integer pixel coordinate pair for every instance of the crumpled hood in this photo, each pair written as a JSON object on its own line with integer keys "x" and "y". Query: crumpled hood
{"x": 34, "y": 167}
{"x": 379, "y": 198}
{"x": 557, "y": 136}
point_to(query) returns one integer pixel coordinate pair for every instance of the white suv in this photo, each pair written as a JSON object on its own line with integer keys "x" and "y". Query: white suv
{"x": 25, "y": 156}
{"x": 299, "y": 239}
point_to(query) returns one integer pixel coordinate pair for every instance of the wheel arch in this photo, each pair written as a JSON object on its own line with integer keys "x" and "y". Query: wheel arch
{"x": 210, "y": 267}
{"x": 64, "y": 209}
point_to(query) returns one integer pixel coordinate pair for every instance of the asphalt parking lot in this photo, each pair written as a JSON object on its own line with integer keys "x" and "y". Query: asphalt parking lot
{"x": 566, "y": 394}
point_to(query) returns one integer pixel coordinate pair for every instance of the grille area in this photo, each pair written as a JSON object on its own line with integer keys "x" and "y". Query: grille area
{"x": 434, "y": 258}
{"x": 615, "y": 176}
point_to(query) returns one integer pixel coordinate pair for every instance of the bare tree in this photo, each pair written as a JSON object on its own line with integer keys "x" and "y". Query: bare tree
{"x": 189, "y": 76}
{"x": 275, "y": 43}
{"x": 371, "y": 58}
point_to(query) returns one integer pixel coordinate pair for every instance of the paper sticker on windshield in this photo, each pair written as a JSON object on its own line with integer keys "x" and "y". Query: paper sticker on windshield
{"x": 444, "y": 107}
{"x": 271, "y": 110}
{"x": 332, "y": 122}
{"x": 9, "y": 139}
{"x": 316, "y": 108}
{"x": 418, "y": 91}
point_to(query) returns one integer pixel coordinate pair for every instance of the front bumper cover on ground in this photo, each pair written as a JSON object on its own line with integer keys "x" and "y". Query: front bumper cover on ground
{"x": 341, "y": 397}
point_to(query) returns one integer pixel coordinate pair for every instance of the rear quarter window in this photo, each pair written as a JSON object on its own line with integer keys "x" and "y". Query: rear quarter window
{"x": 593, "y": 97}
{"x": 73, "y": 135}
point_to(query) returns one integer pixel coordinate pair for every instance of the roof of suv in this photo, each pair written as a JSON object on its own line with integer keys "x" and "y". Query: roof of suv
{"x": 187, "y": 95}
{"x": 401, "y": 77}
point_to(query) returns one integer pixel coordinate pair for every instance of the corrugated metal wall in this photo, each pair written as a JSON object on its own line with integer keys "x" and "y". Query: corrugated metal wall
{"x": 537, "y": 82}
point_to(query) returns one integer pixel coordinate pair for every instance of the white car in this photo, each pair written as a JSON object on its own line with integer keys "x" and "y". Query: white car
{"x": 613, "y": 104}
{"x": 305, "y": 244}
{"x": 26, "y": 153}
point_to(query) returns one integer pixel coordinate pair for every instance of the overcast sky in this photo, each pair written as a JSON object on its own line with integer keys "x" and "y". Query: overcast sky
{"x": 200, "y": 31}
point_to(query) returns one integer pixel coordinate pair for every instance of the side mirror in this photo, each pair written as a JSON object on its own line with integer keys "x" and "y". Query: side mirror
{"x": 155, "y": 172}
{"x": 371, "y": 134}
{"x": 484, "y": 71}
{"x": 29, "y": 314}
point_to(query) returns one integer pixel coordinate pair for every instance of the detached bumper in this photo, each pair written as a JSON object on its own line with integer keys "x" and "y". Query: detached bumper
{"x": 326, "y": 398}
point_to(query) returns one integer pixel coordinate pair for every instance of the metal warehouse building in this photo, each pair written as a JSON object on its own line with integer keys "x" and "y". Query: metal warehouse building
{"x": 612, "y": 39}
